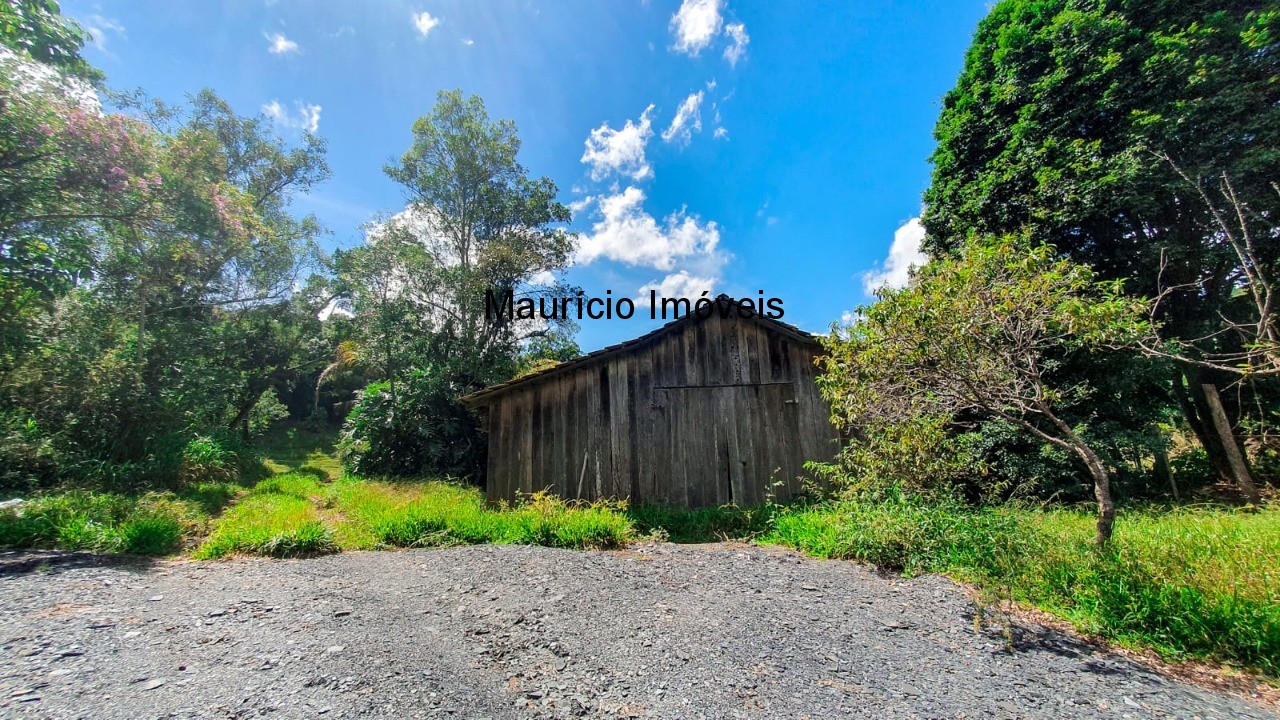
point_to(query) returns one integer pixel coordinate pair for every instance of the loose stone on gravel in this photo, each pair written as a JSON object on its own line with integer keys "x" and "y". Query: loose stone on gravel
{"x": 654, "y": 631}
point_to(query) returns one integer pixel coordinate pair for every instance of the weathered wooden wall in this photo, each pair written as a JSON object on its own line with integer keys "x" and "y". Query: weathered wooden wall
{"x": 711, "y": 412}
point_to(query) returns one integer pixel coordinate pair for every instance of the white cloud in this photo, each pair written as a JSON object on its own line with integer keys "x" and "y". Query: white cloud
{"x": 577, "y": 206}
{"x": 848, "y": 317}
{"x": 423, "y": 21}
{"x": 620, "y": 151}
{"x": 627, "y": 233}
{"x": 281, "y": 45}
{"x": 100, "y": 28}
{"x": 737, "y": 32}
{"x": 720, "y": 133}
{"x": 695, "y": 25}
{"x": 677, "y": 285}
{"x": 543, "y": 278}
{"x": 688, "y": 120}
{"x": 904, "y": 254}
{"x": 304, "y": 116}
{"x": 343, "y": 31}
{"x": 468, "y": 42}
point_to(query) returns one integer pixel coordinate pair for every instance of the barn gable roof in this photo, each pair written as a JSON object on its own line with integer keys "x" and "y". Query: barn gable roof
{"x": 478, "y": 397}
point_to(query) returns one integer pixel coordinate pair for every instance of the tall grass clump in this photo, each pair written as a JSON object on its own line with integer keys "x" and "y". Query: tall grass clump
{"x": 278, "y": 519}
{"x": 1189, "y": 583}
{"x": 152, "y": 524}
{"x": 727, "y": 522}
{"x": 439, "y": 513}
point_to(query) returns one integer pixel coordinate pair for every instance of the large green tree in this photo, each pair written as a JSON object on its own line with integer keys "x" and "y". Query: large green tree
{"x": 1107, "y": 127}
{"x": 36, "y": 29}
{"x": 475, "y": 223}
{"x": 149, "y": 274}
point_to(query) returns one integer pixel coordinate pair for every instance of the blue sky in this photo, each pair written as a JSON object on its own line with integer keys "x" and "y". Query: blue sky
{"x": 739, "y": 145}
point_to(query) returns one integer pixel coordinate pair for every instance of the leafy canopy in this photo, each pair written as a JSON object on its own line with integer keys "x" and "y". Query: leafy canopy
{"x": 976, "y": 334}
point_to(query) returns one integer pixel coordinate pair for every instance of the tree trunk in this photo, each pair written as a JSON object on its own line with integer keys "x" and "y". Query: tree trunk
{"x": 1235, "y": 457}
{"x": 1191, "y": 398}
{"x": 241, "y": 420}
{"x": 1164, "y": 472}
{"x": 1097, "y": 470}
{"x": 1101, "y": 491}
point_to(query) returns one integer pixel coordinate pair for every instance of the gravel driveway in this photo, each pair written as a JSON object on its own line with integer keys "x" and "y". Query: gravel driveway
{"x": 659, "y": 631}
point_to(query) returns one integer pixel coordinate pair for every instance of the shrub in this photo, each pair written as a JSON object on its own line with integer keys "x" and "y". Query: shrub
{"x": 28, "y": 457}
{"x": 419, "y": 428}
{"x": 150, "y": 533}
{"x": 206, "y": 459}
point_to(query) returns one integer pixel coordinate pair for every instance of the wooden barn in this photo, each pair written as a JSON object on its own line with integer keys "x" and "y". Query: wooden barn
{"x": 700, "y": 412}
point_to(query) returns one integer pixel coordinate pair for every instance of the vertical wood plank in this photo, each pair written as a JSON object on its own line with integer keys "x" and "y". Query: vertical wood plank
{"x": 620, "y": 429}
{"x": 554, "y": 393}
{"x": 645, "y": 446}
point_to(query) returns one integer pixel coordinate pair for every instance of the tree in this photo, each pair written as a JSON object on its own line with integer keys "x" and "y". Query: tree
{"x": 1081, "y": 123}
{"x": 155, "y": 264}
{"x": 37, "y": 29}
{"x": 66, "y": 170}
{"x": 484, "y": 223}
{"x": 981, "y": 332}
{"x": 1247, "y": 343}
{"x": 475, "y": 223}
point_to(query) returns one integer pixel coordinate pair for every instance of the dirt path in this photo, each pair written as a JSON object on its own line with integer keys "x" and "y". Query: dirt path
{"x": 719, "y": 631}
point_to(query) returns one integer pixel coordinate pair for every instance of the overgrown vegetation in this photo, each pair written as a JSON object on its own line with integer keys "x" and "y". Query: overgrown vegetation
{"x": 295, "y": 514}
{"x": 476, "y": 222}
{"x": 1188, "y": 582}
{"x": 1140, "y": 140}
{"x": 155, "y": 282}
{"x": 158, "y": 523}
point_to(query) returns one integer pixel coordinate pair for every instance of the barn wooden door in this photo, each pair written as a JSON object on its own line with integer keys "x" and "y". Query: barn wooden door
{"x": 726, "y": 443}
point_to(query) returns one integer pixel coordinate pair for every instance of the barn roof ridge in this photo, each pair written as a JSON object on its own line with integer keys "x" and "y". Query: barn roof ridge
{"x": 610, "y": 350}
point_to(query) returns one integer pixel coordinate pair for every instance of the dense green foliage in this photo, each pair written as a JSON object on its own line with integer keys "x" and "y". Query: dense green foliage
{"x": 417, "y": 425}
{"x": 1063, "y": 110}
{"x": 981, "y": 334}
{"x": 37, "y": 29}
{"x": 151, "y": 275}
{"x": 1136, "y": 137}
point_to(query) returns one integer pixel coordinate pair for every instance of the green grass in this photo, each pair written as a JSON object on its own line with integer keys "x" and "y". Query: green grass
{"x": 717, "y": 524}
{"x": 422, "y": 514}
{"x": 295, "y": 514}
{"x": 1188, "y": 583}
{"x": 293, "y": 447}
{"x": 278, "y": 518}
{"x": 151, "y": 524}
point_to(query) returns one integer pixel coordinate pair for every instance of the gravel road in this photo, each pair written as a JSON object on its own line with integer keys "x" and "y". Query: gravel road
{"x": 658, "y": 631}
